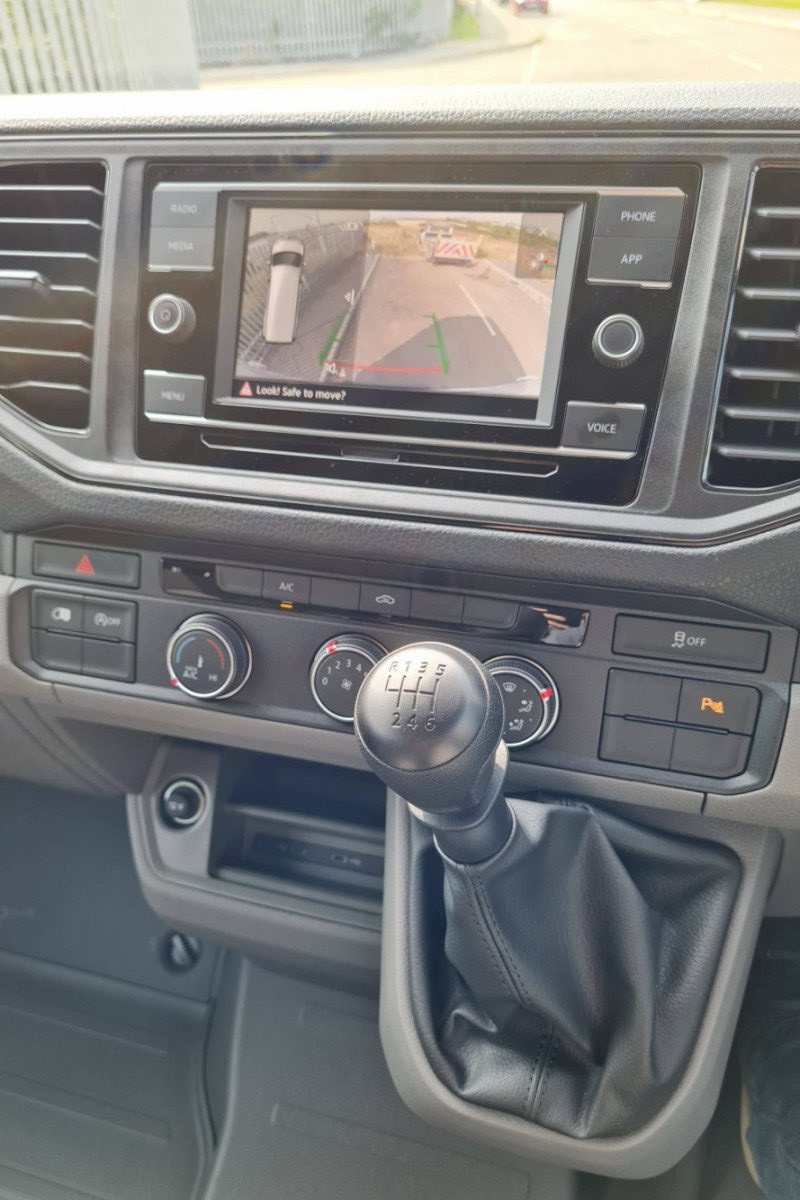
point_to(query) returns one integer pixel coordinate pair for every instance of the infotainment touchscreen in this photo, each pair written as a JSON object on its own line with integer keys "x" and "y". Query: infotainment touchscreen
{"x": 433, "y": 301}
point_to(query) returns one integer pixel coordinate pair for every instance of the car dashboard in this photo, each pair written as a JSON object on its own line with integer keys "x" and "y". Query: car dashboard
{"x": 284, "y": 391}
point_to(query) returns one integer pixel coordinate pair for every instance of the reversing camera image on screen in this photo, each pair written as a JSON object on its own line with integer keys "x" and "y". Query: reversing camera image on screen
{"x": 430, "y": 301}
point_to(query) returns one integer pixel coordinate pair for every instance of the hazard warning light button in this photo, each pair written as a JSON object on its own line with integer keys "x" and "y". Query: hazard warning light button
{"x": 54, "y": 560}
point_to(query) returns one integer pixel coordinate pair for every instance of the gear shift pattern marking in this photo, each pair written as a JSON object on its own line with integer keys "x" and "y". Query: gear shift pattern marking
{"x": 414, "y": 685}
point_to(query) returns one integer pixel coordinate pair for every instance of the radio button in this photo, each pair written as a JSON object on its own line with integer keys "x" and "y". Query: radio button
{"x": 641, "y": 216}
{"x": 602, "y": 427}
{"x": 171, "y": 395}
{"x": 181, "y": 206}
{"x": 632, "y": 260}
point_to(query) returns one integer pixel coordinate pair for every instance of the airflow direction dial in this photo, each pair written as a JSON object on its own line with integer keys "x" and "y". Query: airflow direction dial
{"x": 530, "y": 698}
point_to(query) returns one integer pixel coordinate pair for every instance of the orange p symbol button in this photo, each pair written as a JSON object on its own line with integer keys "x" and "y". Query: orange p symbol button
{"x": 709, "y": 705}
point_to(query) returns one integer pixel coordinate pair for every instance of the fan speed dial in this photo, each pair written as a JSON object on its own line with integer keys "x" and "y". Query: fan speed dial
{"x": 339, "y": 668}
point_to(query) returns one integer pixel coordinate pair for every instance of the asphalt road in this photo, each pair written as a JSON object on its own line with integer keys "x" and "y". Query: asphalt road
{"x": 447, "y": 326}
{"x": 596, "y": 41}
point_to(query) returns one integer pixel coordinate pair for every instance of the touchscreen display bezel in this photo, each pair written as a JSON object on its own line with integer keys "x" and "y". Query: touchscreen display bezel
{"x": 472, "y": 405}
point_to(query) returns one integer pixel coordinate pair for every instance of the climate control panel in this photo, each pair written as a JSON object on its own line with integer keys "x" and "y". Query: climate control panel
{"x": 273, "y": 649}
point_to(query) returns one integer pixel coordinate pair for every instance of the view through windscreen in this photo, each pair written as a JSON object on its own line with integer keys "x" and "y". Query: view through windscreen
{"x": 430, "y": 301}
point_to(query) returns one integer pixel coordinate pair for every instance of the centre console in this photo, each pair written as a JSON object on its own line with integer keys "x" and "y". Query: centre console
{"x": 496, "y": 328}
{"x": 608, "y": 684}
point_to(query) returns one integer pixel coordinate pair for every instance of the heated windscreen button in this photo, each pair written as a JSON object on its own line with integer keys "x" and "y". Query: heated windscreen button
{"x": 603, "y": 427}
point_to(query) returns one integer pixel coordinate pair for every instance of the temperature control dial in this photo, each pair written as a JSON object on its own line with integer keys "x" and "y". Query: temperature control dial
{"x": 208, "y": 657}
{"x": 530, "y": 699}
{"x": 338, "y": 670}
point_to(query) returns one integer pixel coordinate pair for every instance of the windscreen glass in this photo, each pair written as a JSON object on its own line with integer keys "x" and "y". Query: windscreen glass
{"x": 428, "y": 301}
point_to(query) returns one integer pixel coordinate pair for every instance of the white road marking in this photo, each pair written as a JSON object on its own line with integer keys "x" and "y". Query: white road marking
{"x": 478, "y": 310}
{"x": 745, "y": 62}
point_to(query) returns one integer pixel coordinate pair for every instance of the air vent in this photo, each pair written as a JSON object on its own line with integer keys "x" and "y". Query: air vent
{"x": 51, "y": 217}
{"x": 757, "y": 435}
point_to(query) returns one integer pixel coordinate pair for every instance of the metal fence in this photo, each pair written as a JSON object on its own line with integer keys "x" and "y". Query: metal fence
{"x": 96, "y": 45}
{"x": 250, "y": 32}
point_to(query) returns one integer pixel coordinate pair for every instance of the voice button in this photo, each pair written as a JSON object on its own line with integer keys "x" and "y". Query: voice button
{"x": 603, "y": 427}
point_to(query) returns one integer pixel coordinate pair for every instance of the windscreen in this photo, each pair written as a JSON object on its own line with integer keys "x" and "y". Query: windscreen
{"x": 426, "y": 300}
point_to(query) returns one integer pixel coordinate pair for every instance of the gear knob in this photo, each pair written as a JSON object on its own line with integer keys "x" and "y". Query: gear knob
{"x": 429, "y": 721}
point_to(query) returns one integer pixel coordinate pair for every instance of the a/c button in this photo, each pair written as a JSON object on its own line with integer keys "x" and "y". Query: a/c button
{"x": 599, "y": 427}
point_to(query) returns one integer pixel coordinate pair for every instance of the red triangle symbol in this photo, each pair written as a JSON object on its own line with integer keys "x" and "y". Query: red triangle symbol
{"x": 245, "y": 390}
{"x": 84, "y": 566}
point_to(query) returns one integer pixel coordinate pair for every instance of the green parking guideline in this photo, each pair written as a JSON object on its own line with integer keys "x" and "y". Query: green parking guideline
{"x": 332, "y": 336}
{"x": 438, "y": 344}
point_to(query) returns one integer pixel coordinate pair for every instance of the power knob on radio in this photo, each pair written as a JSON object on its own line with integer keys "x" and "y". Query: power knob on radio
{"x": 618, "y": 341}
{"x": 209, "y": 657}
{"x": 171, "y": 317}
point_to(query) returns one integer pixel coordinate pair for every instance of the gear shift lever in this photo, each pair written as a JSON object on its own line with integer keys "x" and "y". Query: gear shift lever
{"x": 429, "y": 721}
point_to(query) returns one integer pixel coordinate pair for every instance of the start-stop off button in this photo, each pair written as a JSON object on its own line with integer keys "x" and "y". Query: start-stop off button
{"x": 603, "y": 427}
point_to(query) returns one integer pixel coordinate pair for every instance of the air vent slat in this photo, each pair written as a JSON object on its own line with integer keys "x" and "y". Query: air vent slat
{"x": 773, "y": 253}
{"x": 740, "y": 412}
{"x": 756, "y": 442}
{"x": 777, "y": 213}
{"x": 51, "y": 218}
{"x": 770, "y": 293}
{"x": 748, "y": 333}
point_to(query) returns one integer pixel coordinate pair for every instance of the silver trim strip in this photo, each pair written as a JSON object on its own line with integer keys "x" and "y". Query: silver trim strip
{"x": 582, "y": 189}
{"x": 299, "y": 431}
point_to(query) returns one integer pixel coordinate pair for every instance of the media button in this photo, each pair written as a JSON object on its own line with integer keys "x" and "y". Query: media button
{"x": 189, "y": 249}
{"x": 602, "y": 427}
{"x": 385, "y": 599}
{"x": 641, "y": 216}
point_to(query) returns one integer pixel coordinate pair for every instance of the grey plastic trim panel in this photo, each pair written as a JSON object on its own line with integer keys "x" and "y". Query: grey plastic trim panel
{"x": 318, "y": 936}
{"x": 661, "y": 1143}
{"x": 777, "y": 804}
